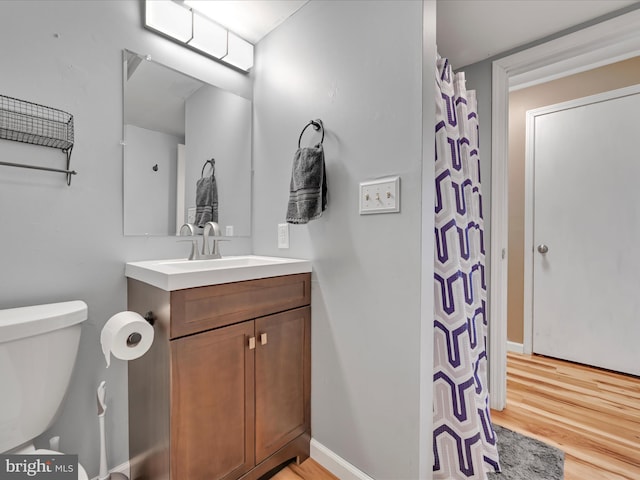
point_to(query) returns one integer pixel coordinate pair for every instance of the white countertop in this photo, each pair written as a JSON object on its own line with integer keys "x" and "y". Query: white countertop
{"x": 177, "y": 274}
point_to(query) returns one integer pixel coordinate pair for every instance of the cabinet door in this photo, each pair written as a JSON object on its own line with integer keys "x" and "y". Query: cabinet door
{"x": 283, "y": 379}
{"x": 212, "y": 404}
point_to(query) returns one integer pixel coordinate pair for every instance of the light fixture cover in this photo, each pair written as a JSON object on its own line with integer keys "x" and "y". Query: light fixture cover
{"x": 169, "y": 18}
{"x": 208, "y": 36}
{"x": 240, "y": 52}
{"x": 179, "y": 22}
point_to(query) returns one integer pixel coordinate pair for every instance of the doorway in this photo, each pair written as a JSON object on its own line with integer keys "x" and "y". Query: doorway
{"x": 615, "y": 39}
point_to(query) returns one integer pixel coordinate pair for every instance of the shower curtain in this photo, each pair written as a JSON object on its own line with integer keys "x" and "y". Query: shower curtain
{"x": 464, "y": 442}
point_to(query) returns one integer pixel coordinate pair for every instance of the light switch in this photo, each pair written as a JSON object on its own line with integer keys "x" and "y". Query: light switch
{"x": 380, "y": 196}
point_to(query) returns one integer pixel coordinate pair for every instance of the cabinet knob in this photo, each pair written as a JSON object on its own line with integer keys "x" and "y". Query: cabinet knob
{"x": 252, "y": 343}
{"x": 263, "y": 339}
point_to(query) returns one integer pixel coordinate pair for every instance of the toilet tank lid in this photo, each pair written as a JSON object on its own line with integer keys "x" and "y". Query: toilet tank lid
{"x": 21, "y": 322}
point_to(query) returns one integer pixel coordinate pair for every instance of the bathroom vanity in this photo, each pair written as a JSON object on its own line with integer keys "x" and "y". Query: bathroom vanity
{"x": 224, "y": 392}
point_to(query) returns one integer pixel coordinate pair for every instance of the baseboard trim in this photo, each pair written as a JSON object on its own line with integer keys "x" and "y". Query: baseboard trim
{"x": 335, "y": 463}
{"x": 515, "y": 347}
{"x": 122, "y": 468}
{"x": 321, "y": 454}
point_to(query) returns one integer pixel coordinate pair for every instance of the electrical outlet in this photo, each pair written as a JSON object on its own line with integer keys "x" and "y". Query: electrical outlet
{"x": 283, "y": 235}
{"x": 380, "y": 196}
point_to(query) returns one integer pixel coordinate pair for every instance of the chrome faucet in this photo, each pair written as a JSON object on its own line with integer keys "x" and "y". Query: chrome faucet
{"x": 215, "y": 253}
{"x": 189, "y": 230}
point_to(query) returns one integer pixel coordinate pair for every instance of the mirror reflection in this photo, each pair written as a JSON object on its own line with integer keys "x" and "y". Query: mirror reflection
{"x": 173, "y": 125}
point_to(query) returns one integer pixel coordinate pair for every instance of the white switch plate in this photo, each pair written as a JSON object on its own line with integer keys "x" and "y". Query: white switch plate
{"x": 191, "y": 215}
{"x": 228, "y": 231}
{"x": 283, "y": 235}
{"x": 380, "y": 196}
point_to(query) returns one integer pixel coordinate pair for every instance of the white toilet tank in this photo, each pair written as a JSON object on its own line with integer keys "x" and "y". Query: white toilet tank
{"x": 38, "y": 348}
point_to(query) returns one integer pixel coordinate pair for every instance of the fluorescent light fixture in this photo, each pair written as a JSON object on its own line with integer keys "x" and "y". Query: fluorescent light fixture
{"x": 240, "y": 52}
{"x": 188, "y": 27}
{"x": 208, "y": 36}
{"x": 231, "y": 15}
{"x": 169, "y": 18}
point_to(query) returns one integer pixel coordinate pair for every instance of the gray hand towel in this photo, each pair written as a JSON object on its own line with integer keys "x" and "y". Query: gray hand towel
{"x": 206, "y": 200}
{"x": 308, "y": 188}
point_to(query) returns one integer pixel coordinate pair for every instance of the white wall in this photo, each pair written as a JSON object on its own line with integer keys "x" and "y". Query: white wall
{"x": 61, "y": 243}
{"x": 150, "y": 195}
{"x": 358, "y": 66}
{"x": 218, "y": 125}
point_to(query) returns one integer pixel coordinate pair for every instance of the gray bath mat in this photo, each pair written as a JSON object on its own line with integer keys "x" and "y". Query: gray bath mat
{"x": 524, "y": 458}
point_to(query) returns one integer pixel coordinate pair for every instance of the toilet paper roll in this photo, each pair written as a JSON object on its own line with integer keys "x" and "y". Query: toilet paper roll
{"x": 126, "y": 335}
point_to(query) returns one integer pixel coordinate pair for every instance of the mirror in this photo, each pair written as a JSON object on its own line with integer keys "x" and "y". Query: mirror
{"x": 174, "y": 124}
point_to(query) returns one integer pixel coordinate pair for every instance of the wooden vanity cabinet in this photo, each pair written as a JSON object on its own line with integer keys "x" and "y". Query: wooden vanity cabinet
{"x": 237, "y": 396}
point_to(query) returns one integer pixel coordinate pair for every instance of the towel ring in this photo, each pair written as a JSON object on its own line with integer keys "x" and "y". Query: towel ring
{"x": 211, "y": 162}
{"x": 317, "y": 125}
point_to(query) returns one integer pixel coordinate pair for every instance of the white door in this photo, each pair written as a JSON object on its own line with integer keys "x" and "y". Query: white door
{"x": 585, "y": 244}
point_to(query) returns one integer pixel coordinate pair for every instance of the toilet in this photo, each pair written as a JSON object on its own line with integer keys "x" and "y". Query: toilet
{"x": 38, "y": 348}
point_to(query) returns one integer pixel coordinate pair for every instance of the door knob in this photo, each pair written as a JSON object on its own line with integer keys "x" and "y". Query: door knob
{"x": 542, "y": 248}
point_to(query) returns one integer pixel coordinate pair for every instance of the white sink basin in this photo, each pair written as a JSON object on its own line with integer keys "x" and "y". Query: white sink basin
{"x": 181, "y": 273}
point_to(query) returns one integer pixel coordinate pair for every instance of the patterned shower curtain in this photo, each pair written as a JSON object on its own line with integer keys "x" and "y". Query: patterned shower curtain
{"x": 464, "y": 442}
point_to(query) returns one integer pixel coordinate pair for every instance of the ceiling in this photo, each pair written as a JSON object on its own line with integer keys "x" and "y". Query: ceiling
{"x": 249, "y": 19}
{"x": 469, "y": 31}
{"x": 154, "y": 96}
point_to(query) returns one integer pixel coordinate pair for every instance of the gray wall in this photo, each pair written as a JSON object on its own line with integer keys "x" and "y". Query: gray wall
{"x": 357, "y": 65}
{"x": 150, "y": 194}
{"x": 218, "y": 125}
{"x": 62, "y": 243}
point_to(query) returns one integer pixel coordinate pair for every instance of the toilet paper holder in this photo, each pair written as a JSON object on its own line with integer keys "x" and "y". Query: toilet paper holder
{"x": 135, "y": 338}
{"x": 150, "y": 317}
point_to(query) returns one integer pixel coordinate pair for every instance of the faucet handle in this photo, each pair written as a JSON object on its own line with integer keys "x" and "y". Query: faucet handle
{"x": 190, "y": 228}
{"x": 194, "y": 242}
{"x": 208, "y": 227}
{"x": 212, "y": 226}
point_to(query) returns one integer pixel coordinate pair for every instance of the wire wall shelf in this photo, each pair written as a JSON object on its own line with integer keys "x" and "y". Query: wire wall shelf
{"x": 28, "y": 122}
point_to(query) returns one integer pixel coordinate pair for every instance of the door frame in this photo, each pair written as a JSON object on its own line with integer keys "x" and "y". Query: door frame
{"x": 601, "y": 44}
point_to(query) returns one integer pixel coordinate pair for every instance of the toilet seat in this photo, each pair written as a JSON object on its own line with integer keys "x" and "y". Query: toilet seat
{"x": 82, "y": 474}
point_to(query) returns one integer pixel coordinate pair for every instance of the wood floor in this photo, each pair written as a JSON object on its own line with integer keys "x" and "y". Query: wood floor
{"x": 307, "y": 470}
{"x": 591, "y": 414}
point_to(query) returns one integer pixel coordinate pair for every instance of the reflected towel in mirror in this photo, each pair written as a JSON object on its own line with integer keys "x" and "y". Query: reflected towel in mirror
{"x": 207, "y": 197}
